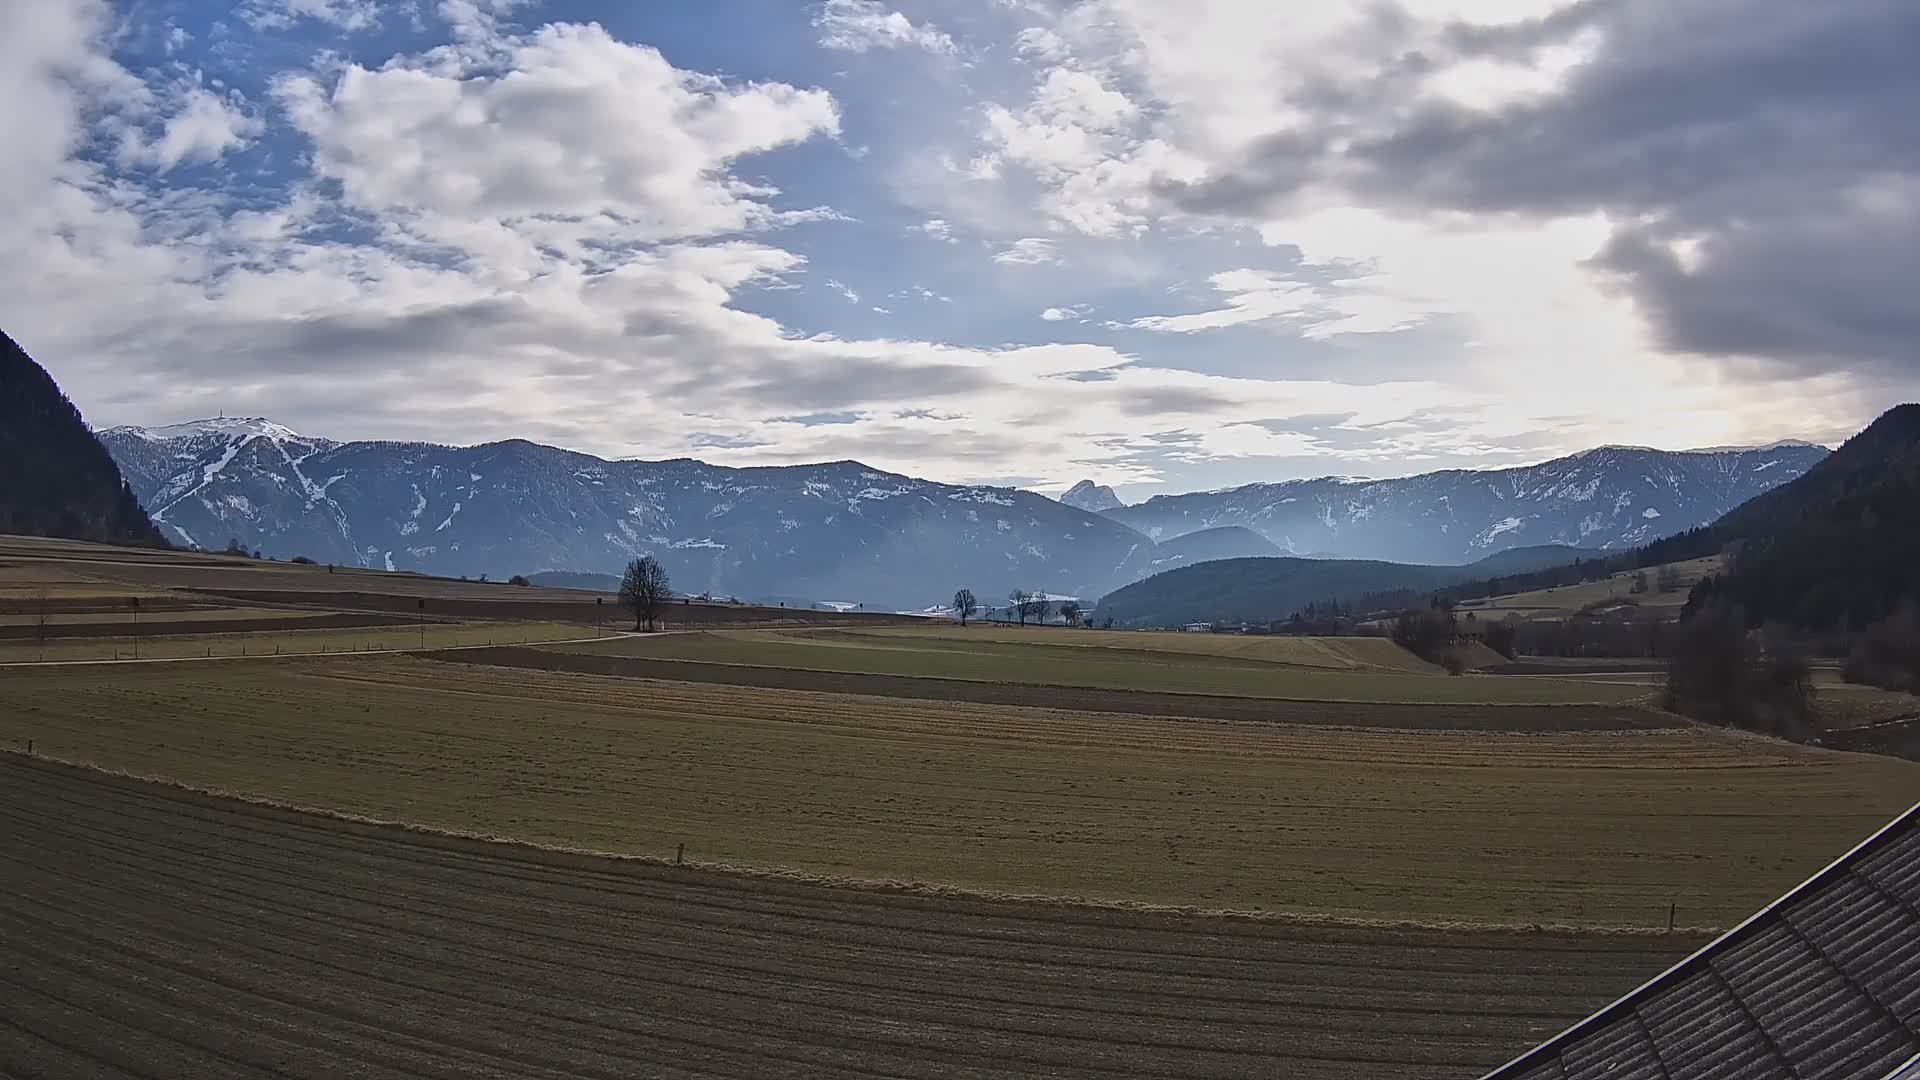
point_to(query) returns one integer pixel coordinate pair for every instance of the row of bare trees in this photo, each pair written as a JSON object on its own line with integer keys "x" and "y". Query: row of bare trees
{"x": 1022, "y": 605}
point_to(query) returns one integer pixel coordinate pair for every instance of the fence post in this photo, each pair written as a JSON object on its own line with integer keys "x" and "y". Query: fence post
{"x": 1671, "y": 908}
{"x": 680, "y": 854}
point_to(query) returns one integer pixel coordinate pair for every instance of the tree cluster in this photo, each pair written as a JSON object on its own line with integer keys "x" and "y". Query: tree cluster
{"x": 1430, "y": 633}
{"x": 1723, "y": 673}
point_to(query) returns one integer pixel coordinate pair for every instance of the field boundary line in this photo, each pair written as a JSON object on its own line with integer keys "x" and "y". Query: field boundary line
{"x": 925, "y": 890}
{"x": 413, "y": 649}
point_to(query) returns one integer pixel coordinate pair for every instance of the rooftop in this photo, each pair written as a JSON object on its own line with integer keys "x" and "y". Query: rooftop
{"x": 1824, "y": 982}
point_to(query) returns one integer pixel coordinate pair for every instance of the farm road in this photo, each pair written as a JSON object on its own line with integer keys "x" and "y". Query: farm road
{"x": 156, "y": 932}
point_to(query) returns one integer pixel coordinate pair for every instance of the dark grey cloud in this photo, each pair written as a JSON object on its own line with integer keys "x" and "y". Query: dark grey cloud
{"x": 1774, "y": 141}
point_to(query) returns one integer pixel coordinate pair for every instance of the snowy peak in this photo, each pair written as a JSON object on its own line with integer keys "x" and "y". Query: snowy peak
{"x": 1609, "y": 498}
{"x": 1091, "y": 497}
{"x": 230, "y": 426}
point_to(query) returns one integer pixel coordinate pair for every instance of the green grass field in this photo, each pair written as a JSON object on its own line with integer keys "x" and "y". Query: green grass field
{"x": 1590, "y": 829}
{"x": 1117, "y": 661}
{"x": 1568, "y": 599}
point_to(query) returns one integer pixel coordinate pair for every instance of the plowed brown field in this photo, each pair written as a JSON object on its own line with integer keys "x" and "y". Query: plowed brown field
{"x": 153, "y": 932}
{"x": 1585, "y": 828}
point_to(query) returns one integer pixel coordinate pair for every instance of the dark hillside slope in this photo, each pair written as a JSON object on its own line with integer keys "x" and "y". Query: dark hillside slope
{"x": 1257, "y": 589}
{"x": 55, "y": 477}
{"x": 1261, "y": 590}
{"x": 1838, "y": 548}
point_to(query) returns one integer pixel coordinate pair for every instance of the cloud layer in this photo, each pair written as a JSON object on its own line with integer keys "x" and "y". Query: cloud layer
{"x": 1357, "y": 240}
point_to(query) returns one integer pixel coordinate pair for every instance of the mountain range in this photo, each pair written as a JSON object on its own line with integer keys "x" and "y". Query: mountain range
{"x": 842, "y": 531}
{"x": 1610, "y": 498}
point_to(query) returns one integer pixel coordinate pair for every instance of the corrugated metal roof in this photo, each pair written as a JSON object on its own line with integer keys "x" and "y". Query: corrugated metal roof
{"x": 1822, "y": 983}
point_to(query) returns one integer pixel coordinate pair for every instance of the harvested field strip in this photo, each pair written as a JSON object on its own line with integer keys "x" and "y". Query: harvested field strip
{"x": 155, "y": 930}
{"x": 172, "y": 624}
{"x": 1339, "y": 654}
{"x": 1100, "y": 669}
{"x": 1528, "y": 718}
{"x": 120, "y": 616}
{"x": 1596, "y": 829}
{"x": 356, "y": 633}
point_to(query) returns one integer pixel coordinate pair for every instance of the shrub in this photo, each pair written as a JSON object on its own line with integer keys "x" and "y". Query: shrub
{"x": 302, "y": 560}
{"x": 518, "y": 579}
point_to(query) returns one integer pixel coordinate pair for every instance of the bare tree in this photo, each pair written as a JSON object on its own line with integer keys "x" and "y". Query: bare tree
{"x": 964, "y": 605}
{"x": 1070, "y": 612}
{"x": 1037, "y": 607}
{"x": 645, "y": 589}
{"x": 1021, "y": 603}
{"x": 1667, "y": 578}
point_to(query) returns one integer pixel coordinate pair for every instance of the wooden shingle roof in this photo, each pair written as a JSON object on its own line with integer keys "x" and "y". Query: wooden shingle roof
{"x": 1822, "y": 983}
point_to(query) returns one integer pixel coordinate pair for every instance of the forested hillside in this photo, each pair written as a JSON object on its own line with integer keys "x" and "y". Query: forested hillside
{"x": 1837, "y": 548}
{"x": 55, "y": 477}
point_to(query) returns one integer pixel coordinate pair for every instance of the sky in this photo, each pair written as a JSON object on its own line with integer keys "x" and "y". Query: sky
{"x": 1165, "y": 246}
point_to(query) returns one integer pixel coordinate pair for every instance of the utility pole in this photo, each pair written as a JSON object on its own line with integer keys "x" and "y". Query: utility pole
{"x": 423, "y": 622}
{"x": 598, "y": 603}
{"x": 135, "y": 603}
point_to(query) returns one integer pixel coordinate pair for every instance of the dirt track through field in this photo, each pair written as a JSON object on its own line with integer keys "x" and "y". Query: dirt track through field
{"x": 156, "y": 932}
{"x": 1534, "y": 718}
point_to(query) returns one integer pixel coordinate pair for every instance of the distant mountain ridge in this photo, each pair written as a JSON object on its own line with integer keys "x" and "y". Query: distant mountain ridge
{"x": 1608, "y": 498}
{"x": 838, "y": 531}
{"x": 833, "y": 531}
{"x": 56, "y": 479}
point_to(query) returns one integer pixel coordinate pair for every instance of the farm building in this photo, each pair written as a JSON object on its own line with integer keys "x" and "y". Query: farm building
{"x": 1824, "y": 982}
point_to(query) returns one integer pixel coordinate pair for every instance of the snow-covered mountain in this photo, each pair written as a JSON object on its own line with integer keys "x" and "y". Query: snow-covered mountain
{"x": 1609, "y": 498}
{"x": 1086, "y": 495}
{"x": 843, "y": 531}
{"x": 808, "y": 532}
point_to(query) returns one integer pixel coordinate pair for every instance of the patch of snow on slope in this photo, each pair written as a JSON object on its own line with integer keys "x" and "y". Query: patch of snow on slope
{"x": 1649, "y": 513}
{"x": 244, "y": 426}
{"x": 419, "y": 503}
{"x": 389, "y": 562}
{"x": 450, "y": 517}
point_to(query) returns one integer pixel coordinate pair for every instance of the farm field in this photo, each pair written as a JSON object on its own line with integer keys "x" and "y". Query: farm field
{"x": 182, "y": 641}
{"x": 156, "y": 932}
{"x": 1123, "y": 664}
{"x": 1330, "y": 653}
{"x": 1357, "y": 825}
{"x": 1566, "y": 600}
{"x": 71, "y": 577}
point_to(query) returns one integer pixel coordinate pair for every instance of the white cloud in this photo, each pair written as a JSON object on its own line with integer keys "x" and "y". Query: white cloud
{"x": 1062, "y": 314}
{"x": 347, "y": 15}
{"x": 1028, "y": 251}
{"x": 843, "y": 290}
{"x": 1316, "y": 310}
{"x": 200, "y": 126}
{"x": 860, "y": 25}
{"x": 937, "y": 228}
{"x": 581, "y": 129}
